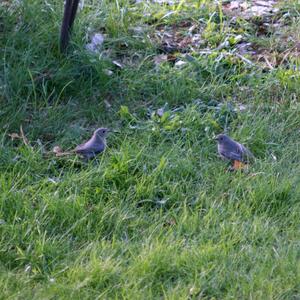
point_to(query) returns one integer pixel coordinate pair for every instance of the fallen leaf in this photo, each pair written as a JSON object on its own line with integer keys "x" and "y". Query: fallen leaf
{"x": 57, "y": 149}
{"x": 158, "y": 59}
{"x": 21, "y": 136}
{"x": 59, "y": 153}
{"x": 244, "y": 5}
{"x": 171, "y": 222}
{"x": 14, "y": 136}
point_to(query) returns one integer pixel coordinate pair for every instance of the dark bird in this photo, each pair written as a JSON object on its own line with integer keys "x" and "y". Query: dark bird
{"x": 95, "y": 145}
{"x": 68, "y": 20}
{"x": 231, "y": 150}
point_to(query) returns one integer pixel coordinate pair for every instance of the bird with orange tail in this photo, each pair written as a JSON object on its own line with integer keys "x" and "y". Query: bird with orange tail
{"x": 231, "y": 150}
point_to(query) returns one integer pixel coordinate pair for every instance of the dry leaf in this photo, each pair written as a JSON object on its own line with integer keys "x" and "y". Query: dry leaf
{"x": 170, "y": 222}
{"x": 244, "y": 5}
{"x": 158, "y": 59}
{"x": 14, "y": 136}
{"x": 59, "y": 152}
{"x": 57, "y": 149}
{"x": 21, "y": 136}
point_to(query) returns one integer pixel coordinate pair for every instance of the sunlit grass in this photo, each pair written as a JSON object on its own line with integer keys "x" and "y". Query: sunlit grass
{"x": 157, "y": 215}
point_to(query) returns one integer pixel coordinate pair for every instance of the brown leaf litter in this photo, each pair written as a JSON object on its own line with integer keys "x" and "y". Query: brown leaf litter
{"x": 180, "y": 37}
{"x": 250, "y": 9}
{"x": 19, "y": 136}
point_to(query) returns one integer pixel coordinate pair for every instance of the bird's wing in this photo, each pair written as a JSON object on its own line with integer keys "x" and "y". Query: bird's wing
{"x": 235, "y": 151}
{"x": 90, "y": 147}
{"x": 232, "y": 155}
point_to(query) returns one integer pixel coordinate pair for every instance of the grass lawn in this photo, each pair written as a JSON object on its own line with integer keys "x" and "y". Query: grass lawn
{"x": 157, "y": 216}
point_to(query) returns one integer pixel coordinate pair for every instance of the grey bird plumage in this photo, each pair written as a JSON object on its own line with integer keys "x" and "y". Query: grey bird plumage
{"x": 95, "y": 145}
{"x": 232, "y": 150}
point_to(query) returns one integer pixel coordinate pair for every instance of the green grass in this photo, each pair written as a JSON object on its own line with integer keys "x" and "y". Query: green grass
{"x": 156, "y": 216}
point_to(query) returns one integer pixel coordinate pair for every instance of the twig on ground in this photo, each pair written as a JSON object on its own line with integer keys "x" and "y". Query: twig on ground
{"x": 24, "y": 138}
{"x": 246, "y": 60}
